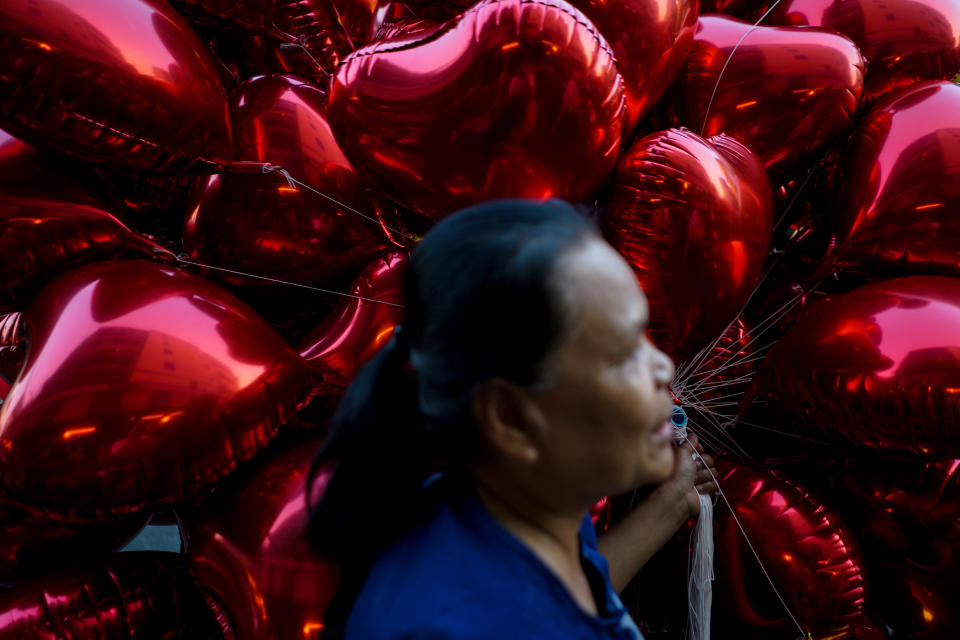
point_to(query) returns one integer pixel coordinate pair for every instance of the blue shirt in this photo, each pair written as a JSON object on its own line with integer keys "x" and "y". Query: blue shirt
{"x": 462, "y": 576}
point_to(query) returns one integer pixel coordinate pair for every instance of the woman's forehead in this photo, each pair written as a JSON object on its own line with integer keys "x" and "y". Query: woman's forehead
{"x": 602, "y": 290}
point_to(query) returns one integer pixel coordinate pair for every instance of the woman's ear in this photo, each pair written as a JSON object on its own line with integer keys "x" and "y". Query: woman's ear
{"x": 509, "y": 421}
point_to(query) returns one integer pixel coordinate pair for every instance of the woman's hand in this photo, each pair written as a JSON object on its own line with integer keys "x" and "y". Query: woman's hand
{"x": 628, "y": 544}
{"x": 693, "y": 475}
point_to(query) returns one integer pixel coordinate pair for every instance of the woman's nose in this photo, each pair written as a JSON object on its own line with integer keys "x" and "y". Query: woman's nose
{"x": 664, "y": 368}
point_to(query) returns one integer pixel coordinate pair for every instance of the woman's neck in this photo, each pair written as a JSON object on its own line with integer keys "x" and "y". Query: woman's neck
{"x": 553, "y": 535}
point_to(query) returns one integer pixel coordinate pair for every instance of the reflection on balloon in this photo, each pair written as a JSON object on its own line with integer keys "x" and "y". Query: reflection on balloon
{"x": 877, "y": 366}
{"x": 251, "y": 554}
{"x": 362, "y": 323}
{"x": 693, "y": 217}
{"x": 900, "y": 201}
{"x": 785, "y": 93}
{"x": 514, "y": 98}
{"x": 125, "y": 83}
{"x": 142, "y": 387}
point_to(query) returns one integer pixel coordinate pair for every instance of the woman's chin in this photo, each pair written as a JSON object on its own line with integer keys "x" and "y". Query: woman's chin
{"x": 658, "y": 467}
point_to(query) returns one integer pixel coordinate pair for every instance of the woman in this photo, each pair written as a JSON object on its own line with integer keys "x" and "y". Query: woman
{"x": 521, "y": 388}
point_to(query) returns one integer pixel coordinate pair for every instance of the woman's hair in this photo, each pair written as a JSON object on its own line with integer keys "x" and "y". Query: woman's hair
{"x": 481, "y": 302}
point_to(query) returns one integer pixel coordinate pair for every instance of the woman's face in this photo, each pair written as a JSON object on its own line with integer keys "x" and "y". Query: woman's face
{"x": 606, "y": 399}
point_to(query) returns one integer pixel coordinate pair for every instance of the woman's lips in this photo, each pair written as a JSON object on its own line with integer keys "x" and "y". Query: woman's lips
{"x": 663, "y": 434}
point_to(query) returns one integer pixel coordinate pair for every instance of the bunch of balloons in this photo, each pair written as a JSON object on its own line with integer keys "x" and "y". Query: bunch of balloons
{"x": 206, "y": 207}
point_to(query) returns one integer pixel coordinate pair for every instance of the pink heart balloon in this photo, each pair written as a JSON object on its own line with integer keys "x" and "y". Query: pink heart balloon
{"x": 693, "y": 217}
{"x": 143, "y": 386}
{"x": 786, "y": 92}
{"x": 513, "y": 98}
{"x": 50, "y": 221}
{"x": 904, "y": 41}
{"x": 259, "y": 223}
{"x": 125, "y": 83}
{"x": 877, "y": 366}
{"x": 899, "y": 204}
{"x": 362, "y": 323}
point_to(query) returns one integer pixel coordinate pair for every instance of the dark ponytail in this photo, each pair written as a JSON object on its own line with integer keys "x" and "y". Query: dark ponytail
{"x": 481, "y": 302}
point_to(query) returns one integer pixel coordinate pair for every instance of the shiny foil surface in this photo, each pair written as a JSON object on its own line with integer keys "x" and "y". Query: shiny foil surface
{"x": 785, "y": 93}
{"x": 693, "y": 217}
{"x": 877, "y": 366}
{"x": 519, "y": 98}
{"x": 122, "y": 83}
{"x": 142, "y": 387}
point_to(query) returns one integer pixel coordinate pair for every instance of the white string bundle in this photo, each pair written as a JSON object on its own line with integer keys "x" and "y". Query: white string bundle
{"x": 700, "y": 569}
{"x": 700, "y": 573}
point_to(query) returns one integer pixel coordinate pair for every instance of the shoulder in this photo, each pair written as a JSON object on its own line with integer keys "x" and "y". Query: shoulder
{"x": 457, "y": 577}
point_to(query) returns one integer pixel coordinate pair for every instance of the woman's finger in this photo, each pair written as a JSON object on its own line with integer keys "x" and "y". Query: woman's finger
{"x": 706, "y": 488}
{"x": 695, "y": 441}
{"x": 703, "y": 476}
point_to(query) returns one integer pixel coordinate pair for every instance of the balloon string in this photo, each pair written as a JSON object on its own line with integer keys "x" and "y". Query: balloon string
{"x": 301, "y": 43}
{"x": 756, "y": 24}
{"x": 773, "y": 586}
{"x": 294, "y": 183}
{"x": 183, "y": 259}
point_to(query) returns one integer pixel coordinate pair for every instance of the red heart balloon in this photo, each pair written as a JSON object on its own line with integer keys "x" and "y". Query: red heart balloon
{"x": 877, "y": 366}
{"x": 50, "y": 221}
{"x": 251, "y": 554}
{"x": 900, "y": 200}
{"x": 904, "y": 41}
{"x": 785, "y": 92}
{"x": 135, "y": 595}
{"x": 694, "y": 218}
{"x": 142, "y": 387}
{"x": 124, "y": 83}
{"x": 807, "y": 550}
{"x": 361, "y": 323}
{"x": 260, "y": 224}
{"x": 513, "y": 98}
{"x": 649, "y": 39}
